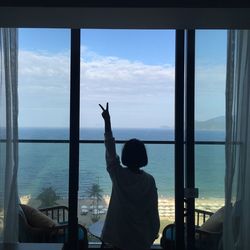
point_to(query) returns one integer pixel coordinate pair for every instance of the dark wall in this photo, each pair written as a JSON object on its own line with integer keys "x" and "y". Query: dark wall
{"x": 172, "y": 14}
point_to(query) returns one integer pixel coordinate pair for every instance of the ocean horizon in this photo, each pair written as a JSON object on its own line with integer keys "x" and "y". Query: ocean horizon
{"x": 161, "y": 134}
{"x": 44, "y": 165}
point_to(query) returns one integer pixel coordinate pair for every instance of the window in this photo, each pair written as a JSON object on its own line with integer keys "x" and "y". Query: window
{"x": 134, "y": 70}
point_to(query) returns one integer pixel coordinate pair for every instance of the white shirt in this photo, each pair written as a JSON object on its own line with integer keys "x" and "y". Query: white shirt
{"x": 132, "y": 221}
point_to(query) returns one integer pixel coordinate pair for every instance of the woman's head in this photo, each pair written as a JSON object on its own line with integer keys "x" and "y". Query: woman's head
{"x": 134, "y": 154}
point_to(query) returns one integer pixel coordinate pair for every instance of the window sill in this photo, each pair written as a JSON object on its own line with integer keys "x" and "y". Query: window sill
{"x": 30, "y": 246}
{"x": 46, "y": 246}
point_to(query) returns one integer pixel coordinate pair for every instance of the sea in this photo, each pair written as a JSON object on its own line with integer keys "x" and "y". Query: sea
{"x": 43, "y": 165}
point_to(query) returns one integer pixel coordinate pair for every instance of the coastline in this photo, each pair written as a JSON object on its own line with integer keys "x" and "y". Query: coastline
{"x": 166, "y": 206}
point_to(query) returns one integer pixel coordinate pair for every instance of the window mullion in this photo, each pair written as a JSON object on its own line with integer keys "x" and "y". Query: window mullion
{"x": 179, "y": 139}
{"x": 74, "y": 138}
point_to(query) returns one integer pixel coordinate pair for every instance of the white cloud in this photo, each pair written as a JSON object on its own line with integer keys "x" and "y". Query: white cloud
{"x": 44, "y": 83}
{"x": 123, "y": 78}
{"x": 98, "y": 74}
{"x": 43, "y": 70}
{"x": 143, "y": 93}
{"x": 210, "y": 78}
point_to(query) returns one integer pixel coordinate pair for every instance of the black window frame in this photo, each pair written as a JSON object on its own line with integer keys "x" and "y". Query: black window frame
{"x": 184, "y": 110}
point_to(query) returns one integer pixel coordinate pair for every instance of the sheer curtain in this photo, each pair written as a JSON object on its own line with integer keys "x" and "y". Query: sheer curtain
{"x": 8, "y": 136}
{"x": 237, "y": 181}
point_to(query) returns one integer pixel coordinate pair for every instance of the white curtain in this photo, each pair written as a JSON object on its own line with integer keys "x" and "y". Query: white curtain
{"x": 8, "y": 136}
{"x": 237, "y": 182}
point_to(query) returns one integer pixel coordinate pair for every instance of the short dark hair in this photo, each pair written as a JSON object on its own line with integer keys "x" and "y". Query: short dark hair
{"x": 134, "y": 154}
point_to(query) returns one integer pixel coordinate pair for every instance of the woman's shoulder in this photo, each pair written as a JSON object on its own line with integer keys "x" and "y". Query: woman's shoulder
{"x": 149, "y": 176}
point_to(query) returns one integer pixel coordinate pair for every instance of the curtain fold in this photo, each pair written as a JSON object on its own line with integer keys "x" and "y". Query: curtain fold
{"x": 237, "y": 181}
{"x": 8, "y": 136}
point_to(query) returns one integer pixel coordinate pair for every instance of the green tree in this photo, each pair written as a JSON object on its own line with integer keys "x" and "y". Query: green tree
{"x": 95, "y": 193}
{"x": 48, "y": 197}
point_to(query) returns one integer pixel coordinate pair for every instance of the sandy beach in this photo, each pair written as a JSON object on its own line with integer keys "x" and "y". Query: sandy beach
{"x": 165, "y": 205}
{"x": 87, "y": 212}
{"x": 167, "y": 208}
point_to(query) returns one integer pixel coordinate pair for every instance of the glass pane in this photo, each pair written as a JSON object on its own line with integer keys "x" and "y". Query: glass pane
{"x": 43, "y": 168}
{"x": 93, "y": 172}
{"x": 44, "y": 64}
{"x": 133, "y": 70}
{"x": 43, "y": 89}
{"x": 210, "y": 173}
{"x": 210, "y": 82}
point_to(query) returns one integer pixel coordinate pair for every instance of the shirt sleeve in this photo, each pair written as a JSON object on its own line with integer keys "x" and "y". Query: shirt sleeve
{"x": 112, "y": 159}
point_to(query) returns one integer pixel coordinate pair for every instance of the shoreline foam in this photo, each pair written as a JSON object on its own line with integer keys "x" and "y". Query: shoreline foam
{"x": 166, "y": 205}
{"x": 166, "y": 208}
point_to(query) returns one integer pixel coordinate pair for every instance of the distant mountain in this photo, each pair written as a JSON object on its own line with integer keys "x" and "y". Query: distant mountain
{"x": 217, "y": 123}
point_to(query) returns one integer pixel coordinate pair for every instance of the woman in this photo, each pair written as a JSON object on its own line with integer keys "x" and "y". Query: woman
{"x": 132, "y": 221}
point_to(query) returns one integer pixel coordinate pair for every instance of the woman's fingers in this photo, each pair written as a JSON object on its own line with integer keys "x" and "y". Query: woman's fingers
{"x": 102, "y": 107}
{"x": 107, "y": 107}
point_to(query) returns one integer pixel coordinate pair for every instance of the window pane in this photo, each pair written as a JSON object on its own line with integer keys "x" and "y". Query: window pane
{"x": 43, "y": 166}
{"x": 210, "y": 173}
{"x": 44, "y": 64}
{"x": 210, "y": 82}
{"x": 133, "y": 70}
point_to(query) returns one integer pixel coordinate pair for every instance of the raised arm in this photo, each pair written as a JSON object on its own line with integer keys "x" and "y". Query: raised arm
{"x": 112, "y": 159}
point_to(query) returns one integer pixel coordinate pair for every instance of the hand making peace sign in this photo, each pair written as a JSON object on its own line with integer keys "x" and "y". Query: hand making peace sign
{"x": 105, "y": 112}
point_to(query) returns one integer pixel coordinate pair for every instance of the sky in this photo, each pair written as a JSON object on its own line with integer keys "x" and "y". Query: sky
{"x": 131, "y": 69}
